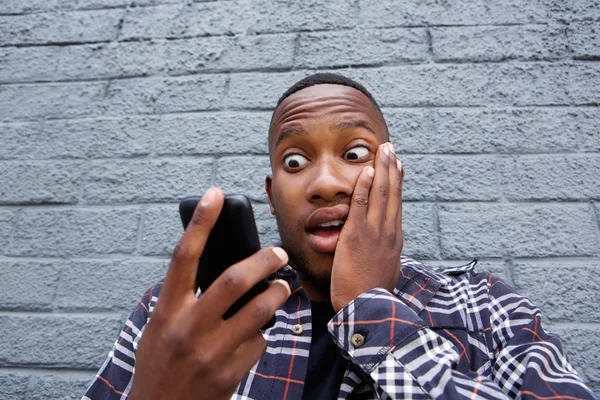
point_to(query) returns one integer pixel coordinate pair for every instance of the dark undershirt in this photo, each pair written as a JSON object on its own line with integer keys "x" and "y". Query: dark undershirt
{"x": 326, "y": 366}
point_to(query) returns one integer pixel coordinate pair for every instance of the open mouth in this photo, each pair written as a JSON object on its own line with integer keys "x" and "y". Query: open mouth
{"x": 324, "y": 227}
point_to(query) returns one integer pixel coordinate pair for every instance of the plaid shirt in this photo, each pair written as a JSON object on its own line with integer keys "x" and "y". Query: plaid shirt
{"x": 448, "y": 334}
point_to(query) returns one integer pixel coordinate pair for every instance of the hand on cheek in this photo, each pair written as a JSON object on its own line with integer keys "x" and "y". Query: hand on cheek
{"x": 368, "y": 250}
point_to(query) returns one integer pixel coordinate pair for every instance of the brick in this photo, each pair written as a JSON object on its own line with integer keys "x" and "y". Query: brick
{"x": 49, "y": 101}
{"x": 266, "y": 224}
{"x": 189, "y": 134}
{"x": 35, "y": 6}
{"x": 56, "y": 340}
{"x": 551, "y": 177}
{"x": 497, "y": 268}
{"x": 580, "y": 83}
{"x": 88, "y": 138}
{"x": 584, "y": 40}
{"x": 141, "y": 181}
{"x": 389, "y": 13}
{"x": 13, "y": 386}
{"x": 450, "y": 178}
{"x": 590, "y": 129}
{"x": 331, "y": 49}
{"x": 259, "y": 90}
{"x": 489, "y": 130}
{"x": 290, "y": 15}
{"x": 210, "y": 133}
{"x": 163, "y": 95}
{"x": 67, "y": 27}
{"x": 582, "y": 10}
{"x": 70, "y": 232}
{"x": 243, "y": 175}
{"x": 420, "y": 239}
{"x": 61, "y": 386}
{"x": 578, "y": 341}
{"x": 498, "y": 230}
{"x": 189, "y": 20}
{"x": 107, "y": 285}
{"x": 500, "y": 84}
{"x": 161, "y": 228}
{"x": 498, "y": 43}
{"x": 130, "y": 59}
{"x": 410, "y": 130}
{"x": 570, "y": 291}
{"x": 33, "y": 182}
{"x": 28, "y": 285}
{"x": 6, "y": 231}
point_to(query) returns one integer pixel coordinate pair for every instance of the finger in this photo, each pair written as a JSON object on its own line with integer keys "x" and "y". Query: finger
{"x": 181, "y": 275}
{"x": 237, "y": 280}
{"x": 380, "y": 190}
{"x": 246, "y": 355}
{"x": 395, "y": 196}
{"x": 256, "y": 313}
{"x": 360, "y": 195}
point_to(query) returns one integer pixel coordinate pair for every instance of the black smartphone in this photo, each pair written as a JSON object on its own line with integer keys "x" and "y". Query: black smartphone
{"x": 233, "y": 238}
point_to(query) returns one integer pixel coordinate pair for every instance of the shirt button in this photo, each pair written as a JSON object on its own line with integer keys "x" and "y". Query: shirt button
{"x": 357, "y": 340}
{"x": 297, "y": 329}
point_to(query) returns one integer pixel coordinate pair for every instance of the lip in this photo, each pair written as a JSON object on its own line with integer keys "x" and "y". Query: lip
{"x": 324, "y": 240}
{"x": 327, "y": 214}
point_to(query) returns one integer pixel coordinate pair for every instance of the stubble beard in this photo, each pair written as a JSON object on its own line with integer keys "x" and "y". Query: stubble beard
{"x": 321, "y": 280}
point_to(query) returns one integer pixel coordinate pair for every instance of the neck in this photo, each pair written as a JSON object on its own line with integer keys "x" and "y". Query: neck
{"x": 314, "y": 290}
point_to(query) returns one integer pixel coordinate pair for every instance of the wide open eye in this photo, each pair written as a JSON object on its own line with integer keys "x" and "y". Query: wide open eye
{"x": 294, "y": 161}
{"x": 356, "y": 153}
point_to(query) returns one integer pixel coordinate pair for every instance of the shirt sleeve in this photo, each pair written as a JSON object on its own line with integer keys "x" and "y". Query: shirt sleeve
{"x": 113, "y": 380}
{"x": 390, "y": 343}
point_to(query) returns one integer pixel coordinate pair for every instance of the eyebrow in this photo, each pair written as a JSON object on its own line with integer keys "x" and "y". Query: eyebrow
{"x": 300, "y": 131}
{"x": 354, "y": 123}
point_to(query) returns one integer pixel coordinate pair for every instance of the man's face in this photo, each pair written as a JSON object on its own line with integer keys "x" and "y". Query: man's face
{"x": 320, "y": 139}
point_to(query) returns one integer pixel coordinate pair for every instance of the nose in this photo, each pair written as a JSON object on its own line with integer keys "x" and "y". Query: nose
{"x": 331, "y": 180}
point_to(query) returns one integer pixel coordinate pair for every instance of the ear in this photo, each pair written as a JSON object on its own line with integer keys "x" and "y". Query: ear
{"x": 268, "y": 182}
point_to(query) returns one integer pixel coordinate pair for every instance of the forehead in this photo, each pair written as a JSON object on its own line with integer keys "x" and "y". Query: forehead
{"x": 316, "y": 104}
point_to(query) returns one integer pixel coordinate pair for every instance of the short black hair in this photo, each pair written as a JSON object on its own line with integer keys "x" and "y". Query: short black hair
{"x": 327, "y": 78}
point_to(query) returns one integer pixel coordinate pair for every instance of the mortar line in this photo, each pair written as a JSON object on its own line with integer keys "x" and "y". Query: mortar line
{"x": 369, "y": 66}
{"x": 437, "y": 230}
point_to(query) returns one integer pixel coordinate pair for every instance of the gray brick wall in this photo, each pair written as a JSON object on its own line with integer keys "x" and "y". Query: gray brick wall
{"x": 112, "y": 110}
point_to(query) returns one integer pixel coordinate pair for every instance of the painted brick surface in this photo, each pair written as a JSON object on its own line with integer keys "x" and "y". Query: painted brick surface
{"x": 111, "y": 111}
{"x": 146, "y": 181}
{"x": 40, "y": 182}
{"x": 80, "y": 280}
{"x": 519, "y": 230}
{"x": 498, "y": 43}
{"x": 580, "y": 342}
{"x": 56, "y": 340}
{"x": 29, "y": 285}
{"x": 561, "y": 297}
{"x": 69, "y": 232}
{"x": 551, "y": 177}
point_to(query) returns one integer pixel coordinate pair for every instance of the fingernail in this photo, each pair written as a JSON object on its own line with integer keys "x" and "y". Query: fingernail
{"x": 386, "y": 150}
{"x": 209, "y": 197}
{"x": 370, "y": 171}
{"x": 280, "y": 253}
{"x": 283, "y": 283}
{"x": 392, "y": 148}
{"x": 399, "y": 164}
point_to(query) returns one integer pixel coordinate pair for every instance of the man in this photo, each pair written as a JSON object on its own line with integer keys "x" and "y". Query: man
{"x": 354, "y": 319}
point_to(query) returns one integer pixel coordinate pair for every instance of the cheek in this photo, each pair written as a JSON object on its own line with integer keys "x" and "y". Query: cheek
{"x": 287, "y": 194}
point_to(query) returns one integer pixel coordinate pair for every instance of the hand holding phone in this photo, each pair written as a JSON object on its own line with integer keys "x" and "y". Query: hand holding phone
{"x": 187, "y": 349}
{"x": 233, "y": 239}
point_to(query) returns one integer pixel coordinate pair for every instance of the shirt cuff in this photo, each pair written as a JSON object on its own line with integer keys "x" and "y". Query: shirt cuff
{"x": 371, "y": 326}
